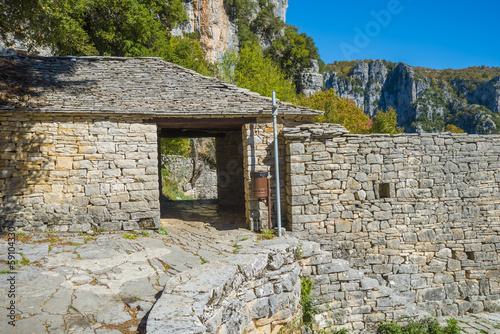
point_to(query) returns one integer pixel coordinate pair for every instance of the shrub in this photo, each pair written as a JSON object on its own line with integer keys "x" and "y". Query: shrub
{"x": 427, "y": 325}
{"x": 306, "y": 301}
{"x": 338, "y": 111}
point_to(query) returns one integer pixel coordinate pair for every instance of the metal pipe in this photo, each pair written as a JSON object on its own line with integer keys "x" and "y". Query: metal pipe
{"x": 269, "y": 204}
{"x": 276, "y": 164}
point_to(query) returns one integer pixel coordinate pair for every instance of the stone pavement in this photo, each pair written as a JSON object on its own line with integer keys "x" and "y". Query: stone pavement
{"x": 103, "y": 283}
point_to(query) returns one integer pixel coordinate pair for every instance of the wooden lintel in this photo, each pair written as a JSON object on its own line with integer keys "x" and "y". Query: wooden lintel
{"x": 180, "y": 133}
{"x": 212, "y": 124}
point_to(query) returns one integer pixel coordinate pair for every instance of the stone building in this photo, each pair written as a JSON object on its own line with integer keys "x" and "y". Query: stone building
{"x": 80, "y": 138}
{"x": 406, "y": 223}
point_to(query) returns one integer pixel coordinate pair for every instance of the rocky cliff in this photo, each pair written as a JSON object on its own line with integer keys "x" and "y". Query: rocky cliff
{"x": 217, "y": 31}
{"x": 425, "y": 100}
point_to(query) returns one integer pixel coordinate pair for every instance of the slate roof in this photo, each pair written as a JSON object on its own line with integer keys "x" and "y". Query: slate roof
{"x": 124, "y": 85}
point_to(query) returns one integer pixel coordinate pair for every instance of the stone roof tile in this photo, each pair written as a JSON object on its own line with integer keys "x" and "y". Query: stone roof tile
{"x": 124, "y": 85}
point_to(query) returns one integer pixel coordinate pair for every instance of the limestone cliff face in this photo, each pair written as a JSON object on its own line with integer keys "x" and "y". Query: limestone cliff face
{"x": 209, "y": 19}
{"x": 423, "y": 104}
{"x": 280, "y": 7}
{"x": 217, "y": 32}
{"x": 488, "y": 94}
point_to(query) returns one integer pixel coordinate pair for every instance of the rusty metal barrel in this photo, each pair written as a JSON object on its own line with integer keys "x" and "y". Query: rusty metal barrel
{"x": 259, "y": 185}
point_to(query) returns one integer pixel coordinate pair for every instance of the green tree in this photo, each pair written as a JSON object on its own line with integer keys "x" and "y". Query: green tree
{"x": 293, "y": 51}
{"x": 386, "y": 122}
{"x": 227, "y": 67}
{"x": 176, "y": 146}
{"x": 125, "y": 28}
{"x": 241, "y": 12}
{"x": 266, "y": 24}
{"x": 257, "y": 73}
{"x": 338, "y": 111}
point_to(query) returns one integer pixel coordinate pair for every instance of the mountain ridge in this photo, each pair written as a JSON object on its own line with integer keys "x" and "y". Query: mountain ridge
{"x": 425, "y": 99}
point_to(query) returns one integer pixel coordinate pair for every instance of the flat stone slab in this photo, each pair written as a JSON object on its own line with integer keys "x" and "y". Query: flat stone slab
{"x": 105, "y": 283}
{"x": 80, "y": 283}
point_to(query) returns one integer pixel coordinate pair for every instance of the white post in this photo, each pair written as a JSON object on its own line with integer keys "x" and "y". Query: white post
{"x": 276, "y": 164}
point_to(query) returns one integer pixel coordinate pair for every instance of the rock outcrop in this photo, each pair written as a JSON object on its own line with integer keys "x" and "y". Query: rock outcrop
{"x": 20, "y": 48}
{"x": 310, "y": 80}
{"x": 280, "y": 7}
{"x": 209, "y": 19}
{"x": 488, "y": 95}
{"x": 180, "y": 170}
{"x": 217, "y": 31}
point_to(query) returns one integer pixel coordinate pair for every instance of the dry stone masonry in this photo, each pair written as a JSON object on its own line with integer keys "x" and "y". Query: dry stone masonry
{"x": 258, "y": 153}
{"x": 80, "y": 137}
{"x": 72, "y": 173}
{"x": 419, "y": 214}
{"x": 256, "y": 291}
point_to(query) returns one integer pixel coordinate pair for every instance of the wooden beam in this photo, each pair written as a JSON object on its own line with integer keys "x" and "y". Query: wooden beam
{"x": 203, "y": 123}
{"x": 176, "y": 133}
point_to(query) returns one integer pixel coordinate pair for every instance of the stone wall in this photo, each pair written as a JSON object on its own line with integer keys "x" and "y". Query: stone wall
{"x": 258, "y": 154}
{"x": 349, "y": 298}
{"x": 72, "y": 173}
{"x": 256, "y": 291}
{"x": 419, "y": 214}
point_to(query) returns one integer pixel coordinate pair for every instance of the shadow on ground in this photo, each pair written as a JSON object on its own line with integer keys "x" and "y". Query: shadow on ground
{"x": 207, "y": 211}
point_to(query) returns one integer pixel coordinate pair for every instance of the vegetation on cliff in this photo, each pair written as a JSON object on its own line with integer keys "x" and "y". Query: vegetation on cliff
{"x": 474, "y": 73}
{"x": 287, "y": 47}
{"x": 126, "y": 28}
{"x": 294, "y": 51}
{"x": 425, "y": 99}
{"x": 345, "y": 68}
{"x": 252, "y": 70}
{"x": 272, "y": 53}
{"x": 346, "y": 113}
{"x": 386, "y": 122}
{"x": 337, "y": 110}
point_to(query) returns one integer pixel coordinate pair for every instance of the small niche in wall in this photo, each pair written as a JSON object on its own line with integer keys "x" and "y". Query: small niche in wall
{"x": 384, "y": 190}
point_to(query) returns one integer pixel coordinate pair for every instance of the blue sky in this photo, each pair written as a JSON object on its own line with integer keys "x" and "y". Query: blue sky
{"x": 437, "y": 34}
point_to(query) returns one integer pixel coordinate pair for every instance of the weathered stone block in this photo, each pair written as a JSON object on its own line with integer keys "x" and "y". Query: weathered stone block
{"x": 426, "y": 235}
{"x": 342, "y": 225}
{"x": 383, "y": 215}
{"x": 258, "y": 308}
{"x": 143, "y": 195}
{"x": 321, "y": 176}
{"x": 92, "y": 189}
{"x": 431, "y": 294}
{"x": 335, "y": 266}
{"x": 105, "y": 147}
{"x": 134, "y": 206}
{"x": 399, "y": 282}
{"x": 300, "y": 180}
{"x": 64, "y": 163}
{"x": 296, "y": 148}
{"x": 454, "y": 265}
{"x": 99, "y": 214}
{"x": 297, "y": 168}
